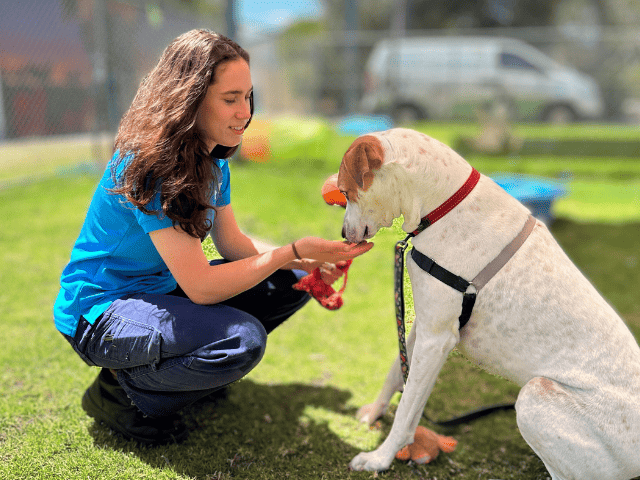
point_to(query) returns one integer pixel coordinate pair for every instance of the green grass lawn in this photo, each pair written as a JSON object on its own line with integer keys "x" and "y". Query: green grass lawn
{"x": 25, "y": 160}
{"x": 293, "y": 416}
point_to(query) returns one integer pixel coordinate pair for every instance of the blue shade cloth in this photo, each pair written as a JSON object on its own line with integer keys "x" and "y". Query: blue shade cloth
{"x": 538, "y": 194}
{"x": 362, "y": 124}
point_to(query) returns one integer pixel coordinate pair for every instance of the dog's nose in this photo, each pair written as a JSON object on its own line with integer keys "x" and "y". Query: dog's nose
{"x": 344, "y": 235}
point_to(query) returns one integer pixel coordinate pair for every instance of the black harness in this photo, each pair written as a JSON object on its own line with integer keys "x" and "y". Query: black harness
{"x": 469, "y": 289}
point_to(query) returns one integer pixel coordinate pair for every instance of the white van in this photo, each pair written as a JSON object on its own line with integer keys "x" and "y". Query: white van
{"x": 454, "y": 77}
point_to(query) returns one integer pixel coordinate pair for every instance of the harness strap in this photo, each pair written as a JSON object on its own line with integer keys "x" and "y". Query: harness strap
{"x": 480, "y": 280}
{"x": 442, "y": 274}
{"x": 451, "y": 279}
{"x": 503, "y": 257}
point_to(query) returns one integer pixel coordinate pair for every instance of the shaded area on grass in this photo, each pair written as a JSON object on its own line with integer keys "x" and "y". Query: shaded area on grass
{"x": 275, "y": 431}
{"x": 260, "y": 431}
{"x": 609, "y": 256}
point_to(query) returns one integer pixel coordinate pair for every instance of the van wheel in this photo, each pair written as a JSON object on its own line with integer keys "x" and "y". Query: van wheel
{"x": 405, "y": 114}
{"x": 559, "y": 115}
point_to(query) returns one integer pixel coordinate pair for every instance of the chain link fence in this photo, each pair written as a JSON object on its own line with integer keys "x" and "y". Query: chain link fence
{"x": 325, "y": 73}
{"x": 73, "y": 66}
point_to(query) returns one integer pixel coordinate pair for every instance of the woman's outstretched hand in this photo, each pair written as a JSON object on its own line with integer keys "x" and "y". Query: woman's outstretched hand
{"x": 330, "y": 251}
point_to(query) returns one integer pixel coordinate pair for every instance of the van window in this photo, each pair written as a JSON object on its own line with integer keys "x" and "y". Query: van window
{"x": 512, "y": 61}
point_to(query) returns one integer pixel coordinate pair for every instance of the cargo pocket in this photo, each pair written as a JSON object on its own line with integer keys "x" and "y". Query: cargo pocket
{"x": 119, "y": 342}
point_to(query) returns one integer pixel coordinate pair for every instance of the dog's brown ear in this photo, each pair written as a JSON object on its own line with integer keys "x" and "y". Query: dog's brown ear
{"x": 363, "y": 157}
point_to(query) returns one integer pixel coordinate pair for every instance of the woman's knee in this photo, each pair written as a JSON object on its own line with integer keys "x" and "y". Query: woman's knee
{"x": 241, "y": 350}
{"x": 252, "y": 342}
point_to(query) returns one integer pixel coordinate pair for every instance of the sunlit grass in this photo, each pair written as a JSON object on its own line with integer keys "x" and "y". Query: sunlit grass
{"x": 293, "y": 416}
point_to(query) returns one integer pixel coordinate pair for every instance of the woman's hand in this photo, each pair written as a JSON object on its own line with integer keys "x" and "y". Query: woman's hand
{"x": 330, "y": 273}
{"x": 325, "y": 254}
{"x": 329, "y": 251}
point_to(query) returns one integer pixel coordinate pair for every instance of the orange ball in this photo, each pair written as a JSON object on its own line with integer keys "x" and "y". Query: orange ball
{"x": 330, "y": 192}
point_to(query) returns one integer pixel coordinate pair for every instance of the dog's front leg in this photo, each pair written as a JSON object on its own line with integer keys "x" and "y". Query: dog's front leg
{"x": 429, "y": 355}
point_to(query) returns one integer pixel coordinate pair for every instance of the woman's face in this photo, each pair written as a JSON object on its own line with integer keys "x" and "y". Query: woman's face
{"x": 225, "y": 109}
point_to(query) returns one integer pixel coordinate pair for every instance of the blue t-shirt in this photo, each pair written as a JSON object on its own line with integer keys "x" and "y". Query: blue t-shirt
{"x": 114, "y": 257}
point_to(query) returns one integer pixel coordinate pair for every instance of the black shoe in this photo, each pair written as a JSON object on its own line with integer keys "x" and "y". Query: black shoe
{"x": 106, "y": 401}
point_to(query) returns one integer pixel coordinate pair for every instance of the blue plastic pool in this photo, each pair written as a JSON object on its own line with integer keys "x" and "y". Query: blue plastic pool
{"x": 536, "y": 193}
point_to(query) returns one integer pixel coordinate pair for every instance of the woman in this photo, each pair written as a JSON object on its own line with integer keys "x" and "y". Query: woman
{"x": 138, "y": 297}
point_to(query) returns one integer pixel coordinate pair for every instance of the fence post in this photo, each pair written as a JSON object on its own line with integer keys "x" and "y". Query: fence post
{"x": 230, "y": 16}
{"x": 100, "y": 75}
{"x": 351, "y": 56}
{"x": 3, "y": 121}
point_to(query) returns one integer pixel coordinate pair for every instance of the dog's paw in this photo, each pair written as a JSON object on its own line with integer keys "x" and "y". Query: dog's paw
{"x": 370, "y": 413}
{"x": 370, "y": 461}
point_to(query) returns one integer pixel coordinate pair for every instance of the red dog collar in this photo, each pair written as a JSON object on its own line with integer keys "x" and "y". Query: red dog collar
{"x": 451, "y": 203}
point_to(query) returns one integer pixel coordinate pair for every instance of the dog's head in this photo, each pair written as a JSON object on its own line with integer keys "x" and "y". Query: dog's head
{"x": 397, "y": 172}
{"x": 359, "y": 163}
{"x": 360, "y": 166}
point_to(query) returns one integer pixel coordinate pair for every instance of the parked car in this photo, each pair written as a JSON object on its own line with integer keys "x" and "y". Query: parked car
{"x": 454, "y": 77}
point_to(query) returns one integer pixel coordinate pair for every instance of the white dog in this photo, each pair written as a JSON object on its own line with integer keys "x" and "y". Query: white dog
{"x": 538, "y": 322}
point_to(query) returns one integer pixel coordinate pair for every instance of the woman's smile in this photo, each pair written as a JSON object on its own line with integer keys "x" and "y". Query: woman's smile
{"x": 227, "y": 102}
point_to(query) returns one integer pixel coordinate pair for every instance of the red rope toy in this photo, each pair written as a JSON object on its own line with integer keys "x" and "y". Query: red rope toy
{"x": 313, "y": 283}
{"x": 323, "y": 293}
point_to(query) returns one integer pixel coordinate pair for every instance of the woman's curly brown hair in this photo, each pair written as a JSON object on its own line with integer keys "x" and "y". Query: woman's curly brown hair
{"x": 158, "y": 138}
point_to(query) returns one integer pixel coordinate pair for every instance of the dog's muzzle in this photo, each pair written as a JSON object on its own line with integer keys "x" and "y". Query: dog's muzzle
{"x": 366, "y": 232}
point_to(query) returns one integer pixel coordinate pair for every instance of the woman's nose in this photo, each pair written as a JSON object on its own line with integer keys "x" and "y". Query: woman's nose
{"x": 245, "y": 111}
